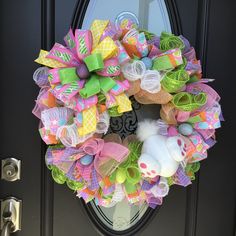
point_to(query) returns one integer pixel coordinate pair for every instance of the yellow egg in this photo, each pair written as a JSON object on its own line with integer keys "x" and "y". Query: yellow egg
{"x": 120, "y": 176}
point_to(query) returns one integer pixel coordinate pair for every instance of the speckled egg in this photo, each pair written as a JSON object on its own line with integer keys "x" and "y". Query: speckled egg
{"x": 147, "y": 62}
{"x": 185, "y": 129}
{"x": 86, "y": 160}
{"x": 82, "y": 71}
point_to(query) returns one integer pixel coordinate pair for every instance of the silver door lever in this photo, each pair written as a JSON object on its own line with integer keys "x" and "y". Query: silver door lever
{"x": 10, "y": 216}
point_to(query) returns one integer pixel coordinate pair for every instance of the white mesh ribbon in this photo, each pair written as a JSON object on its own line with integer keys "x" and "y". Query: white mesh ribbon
{"x": 40, "y": 76}
{"x": 118, "y": 196}
{"x": 103, "y": 123}
{"x": 55, "y": 117}
{"x": 151, "y": 81}
{"x": 69, "y": 136}
{"x": 134, "y": 71}
{"x": 131, "y": 33}
{"x": 161, "y": 189}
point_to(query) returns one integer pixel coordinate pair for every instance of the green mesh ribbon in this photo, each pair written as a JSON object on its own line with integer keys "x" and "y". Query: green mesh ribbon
{"x": 193, "y": 79}
{"x": 191, "y": 169}
{"x": 68, "y": 75}
{"x": 128, "y": 171}
{"x": 169, "y": 41}
{"x": 94, "y": 62}
{"x": 135, "y": 152}
{"x": 73, "y": 185}
{"x": 113, "y": 112}
{"x": 173, "y": 81}
{"x": 95, "y": 84}
{"x": 182, "y": 66}
{"x": 170, "y": 181}
{"x": 148, "y": 35}
{"x": 58, "y": 176}
{"x": 189, "y": 102}
{"x": 130, "y": 188}
{"x": 101, "y": 98}
{"x": 133, "y": 174}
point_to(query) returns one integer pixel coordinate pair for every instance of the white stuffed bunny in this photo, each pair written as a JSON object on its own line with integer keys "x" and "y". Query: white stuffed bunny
{"x": 161, "y": 155}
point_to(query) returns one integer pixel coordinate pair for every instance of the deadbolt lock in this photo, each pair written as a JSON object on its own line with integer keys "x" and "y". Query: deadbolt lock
{"x": 11, "y": 169}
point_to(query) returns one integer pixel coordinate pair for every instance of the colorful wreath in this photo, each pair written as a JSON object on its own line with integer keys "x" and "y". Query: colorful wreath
{"x": 90, "y": 79}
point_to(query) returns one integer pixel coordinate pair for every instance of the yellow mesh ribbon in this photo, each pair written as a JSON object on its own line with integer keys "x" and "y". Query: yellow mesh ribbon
{"x": 107, "y": 48}
{"x": 123, "y": 102}
{"x": 89, "y": 121}
{"x": 48, "y": 61}
{"x": 97, "y": 28}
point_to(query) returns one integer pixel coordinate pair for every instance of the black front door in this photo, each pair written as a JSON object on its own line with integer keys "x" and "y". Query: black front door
{"x": 205, "y": 208}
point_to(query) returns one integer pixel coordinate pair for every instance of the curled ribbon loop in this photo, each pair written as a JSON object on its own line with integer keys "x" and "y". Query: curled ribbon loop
{"x": 168, "y": 60}
{"x": 135, "y": 43}
{"x": 103, "y": 123}
{"x": 170, "y": 41}
{"x": 151, "y": 81}
{"x": 134, "y": 71}
{"x": 40, "y": 76}
{"x": 173, "y": 81}
{"x": 133, "y": 174}
{"x": 55, "y": 117}
{"x": 189, "y": 102}
{"x": 68, "y": 134}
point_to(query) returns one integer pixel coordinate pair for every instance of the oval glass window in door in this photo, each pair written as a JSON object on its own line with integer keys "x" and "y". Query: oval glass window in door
{"x": 122, "y": 218}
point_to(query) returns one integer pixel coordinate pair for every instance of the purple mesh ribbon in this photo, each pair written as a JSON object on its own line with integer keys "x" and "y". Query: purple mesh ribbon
{"x": 186, "y": 44}
{"x": 221, "y": 117}
{"x": 94, "y": 184}
{"x": 72, "y": 172}
{"x": 155, "y": 40}
{"x": 210, "y": 142}
{"x": 181, "y": 178}
{"x": 146, "y": 185}
{"x": 108, "y": 190}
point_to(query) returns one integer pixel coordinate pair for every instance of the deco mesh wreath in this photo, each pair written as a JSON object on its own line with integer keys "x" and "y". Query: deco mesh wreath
{"x": 90, "y": 79}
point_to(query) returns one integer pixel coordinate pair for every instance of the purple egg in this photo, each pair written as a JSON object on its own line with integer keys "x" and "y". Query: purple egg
{"x": 82, "y": 71}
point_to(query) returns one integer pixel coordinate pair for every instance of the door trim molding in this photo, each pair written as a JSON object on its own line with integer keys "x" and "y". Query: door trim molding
{"x": 201, "y": 50}
{"x": 47, "y": 190}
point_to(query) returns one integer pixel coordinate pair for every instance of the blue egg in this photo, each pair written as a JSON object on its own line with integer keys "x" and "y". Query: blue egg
{"x": 86, "y": 160}
{"x": 148, "y": 62}
{"x": 185, "y": 129}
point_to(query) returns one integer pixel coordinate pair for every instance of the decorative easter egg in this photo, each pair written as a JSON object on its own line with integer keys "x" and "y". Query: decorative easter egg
{"x": 120, "y": 176}
{"x": 185, "y": 129}
{"x": 147, "y": 62}
{"x": 86, "y": 160}
{"x": 82, "y": 71}
{"x": 172, "y": 131}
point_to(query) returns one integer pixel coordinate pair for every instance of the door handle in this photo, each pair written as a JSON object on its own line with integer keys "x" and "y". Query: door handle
{"x": 10, "y": 216}
{"x": 6, "y": 230}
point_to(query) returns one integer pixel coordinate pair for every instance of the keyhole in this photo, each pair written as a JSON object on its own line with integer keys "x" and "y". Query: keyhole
{"x": 9, "y": 173}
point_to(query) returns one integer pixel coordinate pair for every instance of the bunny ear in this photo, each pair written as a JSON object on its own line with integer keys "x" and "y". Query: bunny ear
{"x": 115, "y": 138}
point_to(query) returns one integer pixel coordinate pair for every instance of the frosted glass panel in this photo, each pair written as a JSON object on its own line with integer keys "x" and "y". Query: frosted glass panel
{"x": 152, "y": 14}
